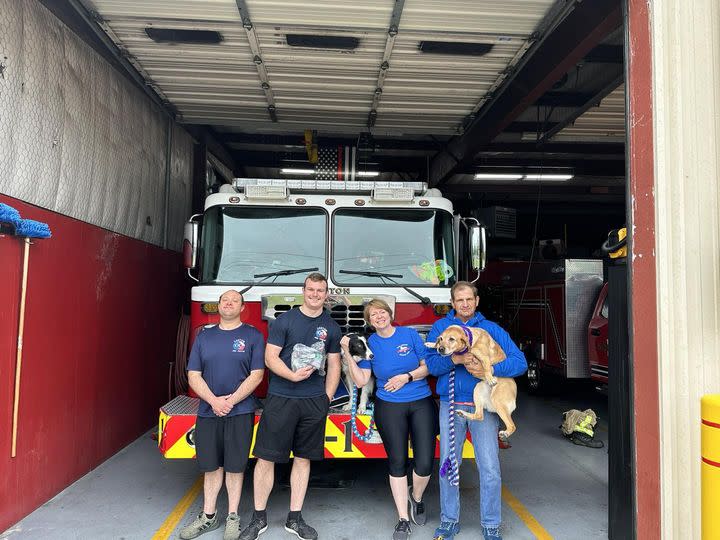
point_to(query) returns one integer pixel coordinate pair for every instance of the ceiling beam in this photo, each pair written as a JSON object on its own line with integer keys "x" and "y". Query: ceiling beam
{"x": 613, "y": 78}
{"x": 545, "y": 63}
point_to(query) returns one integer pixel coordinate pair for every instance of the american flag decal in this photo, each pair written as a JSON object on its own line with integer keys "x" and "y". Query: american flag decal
{"x": 335, "y": 163}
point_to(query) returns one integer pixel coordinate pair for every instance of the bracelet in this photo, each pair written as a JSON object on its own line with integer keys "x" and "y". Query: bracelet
{"x": 410, "y": 377}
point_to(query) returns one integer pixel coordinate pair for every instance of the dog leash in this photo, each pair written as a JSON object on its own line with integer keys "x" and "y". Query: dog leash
{"x": 353, "y": 413}
{"x": 449, "y": 467}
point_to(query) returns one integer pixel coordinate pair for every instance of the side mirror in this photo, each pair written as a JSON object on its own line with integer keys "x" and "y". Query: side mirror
{"x": 190, "y": 243}
{"x": 478, "y": 247}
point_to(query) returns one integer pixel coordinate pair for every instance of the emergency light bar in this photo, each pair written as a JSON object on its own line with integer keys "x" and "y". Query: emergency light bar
{"x": 401, "y": 190}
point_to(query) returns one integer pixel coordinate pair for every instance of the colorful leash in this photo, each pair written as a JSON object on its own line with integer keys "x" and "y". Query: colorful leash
{"x": 353, "y": 413}
{"x": 449, "y": 467}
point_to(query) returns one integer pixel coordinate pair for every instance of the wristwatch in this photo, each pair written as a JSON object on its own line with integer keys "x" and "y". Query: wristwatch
{"x": 410, "y": 377}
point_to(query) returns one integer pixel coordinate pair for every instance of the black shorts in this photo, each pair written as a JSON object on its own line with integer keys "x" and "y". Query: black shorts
{"x": 292, "y": 424}
{"x": 224, "y": 441}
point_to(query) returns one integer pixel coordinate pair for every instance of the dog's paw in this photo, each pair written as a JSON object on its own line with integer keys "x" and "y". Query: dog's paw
{"x": 462, "y": 413}
{"x": 346, "y": 408}
{"x": 492, "y": 381}
{"x": 503, "y": 436}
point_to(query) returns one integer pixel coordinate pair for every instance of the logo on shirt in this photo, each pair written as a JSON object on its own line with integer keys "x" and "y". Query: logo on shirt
{"x": 403, "y": 350}
{"x": 321, "y": 333}
{"x": 238, "y": 345}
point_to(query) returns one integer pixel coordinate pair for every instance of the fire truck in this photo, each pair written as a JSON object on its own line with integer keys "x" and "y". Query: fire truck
{"x": 556, "y": 312}
{"x": 397, "y": 241}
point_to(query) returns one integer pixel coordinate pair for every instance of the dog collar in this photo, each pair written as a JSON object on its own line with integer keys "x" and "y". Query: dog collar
{"x": 469, "y": 335}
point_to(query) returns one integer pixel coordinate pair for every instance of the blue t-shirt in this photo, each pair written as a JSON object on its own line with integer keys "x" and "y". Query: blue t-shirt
{"x": 225, "y": 358}
{"x": 295, "y": 327}
{"x": 394, "y": 355}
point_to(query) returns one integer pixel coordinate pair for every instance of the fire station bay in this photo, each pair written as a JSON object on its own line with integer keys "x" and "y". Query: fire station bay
{"x": 360, "y": 270}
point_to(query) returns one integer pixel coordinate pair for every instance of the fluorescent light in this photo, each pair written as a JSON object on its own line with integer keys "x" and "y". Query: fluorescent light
{"x": 368, "y": 174}
{"x": 298, "y": 171}
{"x": 497, "y": 176}
{"x": 554, "y": 177}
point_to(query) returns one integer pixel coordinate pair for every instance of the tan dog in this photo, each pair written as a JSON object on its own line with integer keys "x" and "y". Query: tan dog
{"x": 478, "y": 351}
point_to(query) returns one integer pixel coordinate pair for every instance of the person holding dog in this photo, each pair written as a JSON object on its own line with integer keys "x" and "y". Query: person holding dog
{"x": 225, "y": 366}
{"x": 296, "y": 407}
{"x": 403, "y": 408}
{"x": 464, "y": 299}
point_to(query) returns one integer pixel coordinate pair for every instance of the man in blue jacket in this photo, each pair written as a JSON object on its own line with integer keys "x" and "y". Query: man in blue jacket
{"x": 464, "y": 298}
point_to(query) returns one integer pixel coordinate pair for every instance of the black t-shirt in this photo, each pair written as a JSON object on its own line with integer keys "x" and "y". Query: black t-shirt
{"x": 295, "y": 327}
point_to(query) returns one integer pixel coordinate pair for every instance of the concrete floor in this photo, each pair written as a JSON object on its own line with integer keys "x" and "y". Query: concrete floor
{"x": 562, "y": 486}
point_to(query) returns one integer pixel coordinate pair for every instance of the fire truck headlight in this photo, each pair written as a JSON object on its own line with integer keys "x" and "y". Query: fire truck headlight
{"x": 441, "y": 309}
{"x": 209, "y": 307}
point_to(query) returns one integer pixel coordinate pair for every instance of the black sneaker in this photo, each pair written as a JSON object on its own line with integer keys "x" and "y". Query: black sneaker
{"x": 301, "y": 529}
{"x": 417, "y": 510}
{"x": 402, "y": 530}
{"x": 255, "y": 528}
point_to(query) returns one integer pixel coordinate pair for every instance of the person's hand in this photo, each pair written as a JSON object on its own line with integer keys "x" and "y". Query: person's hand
{"x": 345, "y": 342}
{"x": 396, "y": 383}
{"x": 221, "y": 406}
{"x": 302, "y": 373}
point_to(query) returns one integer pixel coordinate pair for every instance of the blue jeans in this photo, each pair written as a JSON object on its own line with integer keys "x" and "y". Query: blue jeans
{"x": 485, "y": 443}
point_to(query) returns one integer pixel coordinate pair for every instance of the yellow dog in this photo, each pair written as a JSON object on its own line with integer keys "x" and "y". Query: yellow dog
{"x": 478, "y": 351}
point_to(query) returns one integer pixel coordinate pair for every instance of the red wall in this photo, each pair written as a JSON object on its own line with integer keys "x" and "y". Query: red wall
{"x": 100, "y": 324}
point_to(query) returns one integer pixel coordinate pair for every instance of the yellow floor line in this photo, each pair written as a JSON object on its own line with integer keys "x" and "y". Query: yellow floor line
{"x": 527, "y": 518}
{"x": 168, "y": 526}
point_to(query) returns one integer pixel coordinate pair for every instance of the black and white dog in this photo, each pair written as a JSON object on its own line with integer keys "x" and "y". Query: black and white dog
{"x": 359, "y": 349}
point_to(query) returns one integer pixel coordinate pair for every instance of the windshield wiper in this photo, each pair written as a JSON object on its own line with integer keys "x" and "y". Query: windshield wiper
{"x": 389, "y": 277}
{"x": 276, "y": 275}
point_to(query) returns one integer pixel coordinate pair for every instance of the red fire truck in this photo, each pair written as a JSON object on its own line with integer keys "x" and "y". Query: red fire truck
{"x": 548, "y": 311}
{"x": 394, "y": 240}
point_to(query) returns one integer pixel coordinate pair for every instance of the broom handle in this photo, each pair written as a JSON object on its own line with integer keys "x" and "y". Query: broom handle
{"x": 18, "y": 361}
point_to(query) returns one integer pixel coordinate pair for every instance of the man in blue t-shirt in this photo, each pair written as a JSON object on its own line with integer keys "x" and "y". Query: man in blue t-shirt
{"x": 226, "y": 365}
{"x": 296, "y": 407}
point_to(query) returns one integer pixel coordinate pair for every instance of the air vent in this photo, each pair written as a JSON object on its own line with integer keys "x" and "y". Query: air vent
{"x": 500, "y": 221}
{"x": 323, "y": 42}
{"x": 455, "y": 48}
{"x": 177, "y": 35}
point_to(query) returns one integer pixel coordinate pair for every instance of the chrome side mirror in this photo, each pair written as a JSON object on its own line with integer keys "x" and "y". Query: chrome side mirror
{"x": 478, "y": 247}
{"x": 190, "y": 242}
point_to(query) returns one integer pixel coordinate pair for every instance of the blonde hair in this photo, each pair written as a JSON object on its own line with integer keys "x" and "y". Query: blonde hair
{"x": 376, "y": 303}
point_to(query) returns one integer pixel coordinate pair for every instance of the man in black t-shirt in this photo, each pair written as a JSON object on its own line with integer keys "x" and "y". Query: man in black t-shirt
{"x": 296, "y": 406}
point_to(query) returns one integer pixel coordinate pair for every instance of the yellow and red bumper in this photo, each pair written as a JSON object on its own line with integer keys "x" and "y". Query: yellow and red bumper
{"x": 177, "y": 425}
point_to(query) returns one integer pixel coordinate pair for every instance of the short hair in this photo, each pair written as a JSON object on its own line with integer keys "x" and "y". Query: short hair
{"x": 242, "y": 299}
{"x": 376, "y": 303}
{"x": 462, "y": 285}
{"x": 317, "y": 277}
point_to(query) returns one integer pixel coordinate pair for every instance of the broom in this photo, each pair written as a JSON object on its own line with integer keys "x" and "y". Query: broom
{"x": 27, "y": 229}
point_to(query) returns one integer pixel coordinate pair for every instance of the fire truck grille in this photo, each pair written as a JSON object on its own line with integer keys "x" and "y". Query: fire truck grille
{"x": 346, "y": 310}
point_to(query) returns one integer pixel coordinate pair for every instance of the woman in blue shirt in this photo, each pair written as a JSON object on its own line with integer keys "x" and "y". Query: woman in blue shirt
{"x": 403, "y": 408}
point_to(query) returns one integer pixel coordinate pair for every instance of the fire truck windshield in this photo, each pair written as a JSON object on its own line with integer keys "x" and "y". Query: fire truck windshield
{"x": 416, "y": 245}
{"x": 240, "y": 242}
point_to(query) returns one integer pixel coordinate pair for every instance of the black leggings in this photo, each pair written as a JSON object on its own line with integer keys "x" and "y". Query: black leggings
{"x": 395, "y": 421}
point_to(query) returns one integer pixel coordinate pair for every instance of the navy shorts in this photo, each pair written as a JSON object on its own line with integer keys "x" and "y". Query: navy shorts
{"x": 224, "y": 441}
{"x": 292, "y": 424}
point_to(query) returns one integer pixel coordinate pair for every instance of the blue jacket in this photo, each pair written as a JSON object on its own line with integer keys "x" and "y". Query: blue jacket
{"x": 513, "y": 366}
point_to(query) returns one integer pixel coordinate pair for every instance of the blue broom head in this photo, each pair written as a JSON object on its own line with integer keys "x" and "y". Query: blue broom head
{"x": 32, "y": 229}
{"x": 9, "y": 215}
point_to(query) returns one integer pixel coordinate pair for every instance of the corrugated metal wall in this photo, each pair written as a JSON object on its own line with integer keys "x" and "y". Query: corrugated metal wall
{"x": 686, "y": 79}
{"x": 79, "y": 139}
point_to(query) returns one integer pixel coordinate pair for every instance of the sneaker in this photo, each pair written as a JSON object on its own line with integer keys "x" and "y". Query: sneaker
{"x": 201, "y": 525}
{"x": 301, "y": 529}
{"x": 417, "y": 510}
{"x": 446, "y": 531}
{"x": 491, "y": 533}
{"x": 255, "y": 528}
{"x": 232, "y": 527}
{"x": 402, "y": 530}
